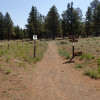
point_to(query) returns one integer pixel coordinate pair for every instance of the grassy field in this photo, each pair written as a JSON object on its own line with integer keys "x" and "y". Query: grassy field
{"x": 17, "y": 63}
{"x": 20, "y": 54}
{"x": 89, "y": 61}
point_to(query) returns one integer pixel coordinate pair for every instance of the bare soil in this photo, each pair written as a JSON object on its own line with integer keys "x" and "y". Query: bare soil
{"x": 50, "y": 79}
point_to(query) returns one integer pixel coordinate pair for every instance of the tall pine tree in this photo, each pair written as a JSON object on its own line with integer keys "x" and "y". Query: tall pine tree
{"x": 71, "y": 20}
{"x": 53, "y": 22}
{"x": 2, "y": 28}
{"x": 32, "y": 22}
{"x": 8, "y": 26}
{"x": 96, "y": 20}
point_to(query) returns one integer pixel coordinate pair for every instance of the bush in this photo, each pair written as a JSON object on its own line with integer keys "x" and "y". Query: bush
{"x": 67, "y": 55}
{"x": 64, "y": 53}
{"x": 89, "y": 57}
{"x": 98, "y": 61}
{"x": 79, "y": 66}
{"x": 92, "y": 74}
{"x": 8, "y": 71}
{"x": 87, "y": 72}
{"x": 99, "y": 70}
{"x": 61, "y": 52}
{"x": 8, "y": 58}
{"x": 82, "y": 56}
{"x": 1, "y": 53}
{"x": 98, "y": 50}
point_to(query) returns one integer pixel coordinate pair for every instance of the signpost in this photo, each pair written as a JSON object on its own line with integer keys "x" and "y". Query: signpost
{"x": 34, "y": 38}
{"x": 73, "y": 38}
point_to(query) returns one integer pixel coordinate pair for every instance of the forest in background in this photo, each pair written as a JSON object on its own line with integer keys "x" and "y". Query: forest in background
{"x": 52, "y": 26}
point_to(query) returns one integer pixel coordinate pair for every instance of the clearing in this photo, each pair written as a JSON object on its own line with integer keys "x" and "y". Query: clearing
{"x": 50, "y": 79}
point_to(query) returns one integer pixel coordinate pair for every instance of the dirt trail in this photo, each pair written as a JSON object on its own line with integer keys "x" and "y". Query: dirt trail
{"x": 53, "y": 80}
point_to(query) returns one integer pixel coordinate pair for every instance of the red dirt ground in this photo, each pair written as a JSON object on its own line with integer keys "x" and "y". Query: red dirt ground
{"x": 50, "y": 79}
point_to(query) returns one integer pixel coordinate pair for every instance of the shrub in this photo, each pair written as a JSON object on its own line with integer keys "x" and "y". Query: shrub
{"x": 92, "y": 74}
{"x": 7, "y": 59}
{"x": 25, "y": 58}
{"x": 98, "y": 50}
{"x": 8, "y": 71}
{"x": 79, "y": 66}
{"x": 67, "y": 55}
{"x": 99, "y": 70}
{"x": 82, "y": 57}
{"x": 98, "y": 61}
{"x": 86, "y": 72}
{"x": 61, "y": 52}
{"x": 81, "y": 46}
{"x": 89, "y": 57}
{"x": 64, "y": 53}
{"x": 1, "y": 53}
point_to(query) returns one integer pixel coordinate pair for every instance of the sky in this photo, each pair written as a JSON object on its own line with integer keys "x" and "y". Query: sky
{"x": 19, "y": 9}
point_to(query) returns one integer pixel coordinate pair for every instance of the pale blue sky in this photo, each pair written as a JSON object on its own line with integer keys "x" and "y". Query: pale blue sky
{"x": 19, "y": 9}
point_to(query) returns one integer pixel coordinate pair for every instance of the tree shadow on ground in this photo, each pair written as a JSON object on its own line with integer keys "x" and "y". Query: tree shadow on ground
{"x": 68, "y": 62}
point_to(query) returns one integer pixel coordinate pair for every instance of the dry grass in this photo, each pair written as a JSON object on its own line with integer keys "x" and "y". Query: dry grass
{"x": 17, "y": 63}
{"x": 90, "y": 48}
{"x": 20, "y": 53}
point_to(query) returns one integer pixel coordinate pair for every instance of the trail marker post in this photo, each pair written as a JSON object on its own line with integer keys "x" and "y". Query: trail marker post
{"x": 34, "y": 38}
{"x": 73, "y": 38}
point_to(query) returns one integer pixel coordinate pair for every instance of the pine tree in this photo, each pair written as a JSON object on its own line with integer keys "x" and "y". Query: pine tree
{"x": 2, "y": 26}
{"x": 32, "y": 22}
{"x": 92, "y": 18}
{"x": 21, "y": 34}
{"x": 66, "y": 21}
{"x": 17, "y": 32}
{"x": 96, "y": 20}
{"x": 8, "y": 26}
{"x": 71, "y": 20}
{"x": 88, "y": 22}
{"x": 53, "y": 22}
{"x": 79, "y": 21}
{"x": 94, "y": 5}
{"x": 40, "y": 26}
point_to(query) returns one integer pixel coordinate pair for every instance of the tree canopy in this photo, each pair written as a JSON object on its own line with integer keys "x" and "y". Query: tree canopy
{"x": 52, "y": 25}
{"x": 53, "y": 22}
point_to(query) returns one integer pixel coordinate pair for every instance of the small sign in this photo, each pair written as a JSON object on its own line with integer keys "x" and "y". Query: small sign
{"x": 73, "y": 36}
{"x": 34, "y": 37}
{"x": 73, "y": 44}
{"x": 73, "y": 40}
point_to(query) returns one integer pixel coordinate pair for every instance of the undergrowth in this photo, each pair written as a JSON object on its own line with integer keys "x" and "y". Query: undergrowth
{"x": 92, "y": 73}
{"x": 22, "y": 51}
{"x": 64, "y": 53}
{"x": 98, "y": 61}
{"x": 87, "y": 56}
